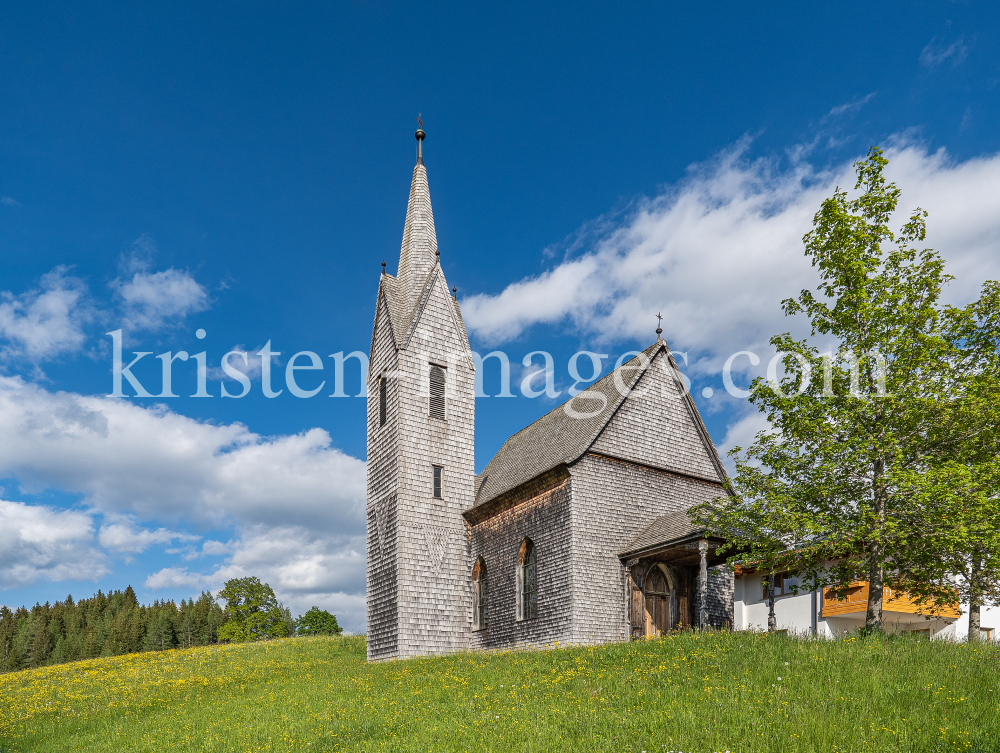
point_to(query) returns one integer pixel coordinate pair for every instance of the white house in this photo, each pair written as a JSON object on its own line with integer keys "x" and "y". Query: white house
{"x": 820, "y": 613}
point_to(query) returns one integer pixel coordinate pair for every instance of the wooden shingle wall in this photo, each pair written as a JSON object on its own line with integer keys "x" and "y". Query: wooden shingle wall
{"x": 382, "y": 469}
{"x": 612, "y": 501}
{"x": 632, "y": 476}
{"x": 538, "y": 510}
{"x": 433, "y": 584}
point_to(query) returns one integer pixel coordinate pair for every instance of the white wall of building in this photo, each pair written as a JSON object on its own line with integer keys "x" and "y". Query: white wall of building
{"x": 802, "y": 614}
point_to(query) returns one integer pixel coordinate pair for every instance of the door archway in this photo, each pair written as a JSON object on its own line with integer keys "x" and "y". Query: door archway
{"x": 659, "y": 599}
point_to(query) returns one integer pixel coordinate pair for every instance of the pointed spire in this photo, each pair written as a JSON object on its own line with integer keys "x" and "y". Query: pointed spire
{"x": 419, "y": 252}
{"x": 659, "y": 328}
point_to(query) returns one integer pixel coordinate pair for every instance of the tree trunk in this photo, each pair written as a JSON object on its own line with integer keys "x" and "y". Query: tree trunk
{"x": 974, "y": 632}
{"x": 873, "y": 616}
{"x": 975, "y": 601}
{"x": 876, "y": 571}
{"x": 772, "y": 622}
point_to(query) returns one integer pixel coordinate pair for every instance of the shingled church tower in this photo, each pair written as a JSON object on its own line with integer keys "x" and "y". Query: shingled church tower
{"x": 421, "y": 475}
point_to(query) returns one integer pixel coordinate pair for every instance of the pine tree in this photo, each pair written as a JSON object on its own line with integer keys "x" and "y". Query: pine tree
{"x": 159, "y": 633}
{"x": 41, "y": 642}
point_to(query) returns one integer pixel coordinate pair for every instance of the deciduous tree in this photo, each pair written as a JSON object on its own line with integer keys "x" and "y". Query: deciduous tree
{"x": 318, "y": 622}
{"x": 252, "y": 611}
{"x": 828, "y": 491}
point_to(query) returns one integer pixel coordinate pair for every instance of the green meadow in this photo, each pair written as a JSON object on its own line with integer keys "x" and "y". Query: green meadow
{"x": 734, "y": 692}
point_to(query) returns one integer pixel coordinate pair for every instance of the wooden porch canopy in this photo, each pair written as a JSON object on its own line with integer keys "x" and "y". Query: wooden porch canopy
{"x": 673, "y": 539}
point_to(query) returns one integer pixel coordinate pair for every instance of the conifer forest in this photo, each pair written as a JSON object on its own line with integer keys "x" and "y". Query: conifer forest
{"x": 104, "y": 625}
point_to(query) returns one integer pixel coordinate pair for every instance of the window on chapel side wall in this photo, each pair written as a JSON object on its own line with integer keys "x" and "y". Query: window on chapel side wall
{"x": 527, "y": 582}
{"x": 480, "y": 602}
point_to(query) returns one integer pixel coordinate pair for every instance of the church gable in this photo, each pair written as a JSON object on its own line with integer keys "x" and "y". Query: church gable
{"x": 658, "y": 425}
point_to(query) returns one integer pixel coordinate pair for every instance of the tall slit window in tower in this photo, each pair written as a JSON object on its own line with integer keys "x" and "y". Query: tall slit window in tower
{"x": 527, "y": 582}
{"x": 381, "y": 401}
{"x": 438, "y": 473}
{"x": 437, "y": 392}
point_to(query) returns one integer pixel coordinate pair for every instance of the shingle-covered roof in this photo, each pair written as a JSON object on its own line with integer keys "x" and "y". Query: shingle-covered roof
{"x": 397, "y": 311}
{"x": 419, "y": 265}
{"x": 418, "y": 252}
{"x": 666, "y": 528}
{"x": 404, "y": 320}
{"x": 558, "y": 437}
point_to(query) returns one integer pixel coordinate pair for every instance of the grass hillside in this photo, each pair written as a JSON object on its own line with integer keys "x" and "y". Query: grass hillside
{"x": 686, "y": 692}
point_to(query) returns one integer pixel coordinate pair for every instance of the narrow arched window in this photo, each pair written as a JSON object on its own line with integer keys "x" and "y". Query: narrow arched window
{"x": 381, "y": 401}
{"x": 437, "y": 392}
{"x": 480, "y": 611}
{"x": 527, "y": 582}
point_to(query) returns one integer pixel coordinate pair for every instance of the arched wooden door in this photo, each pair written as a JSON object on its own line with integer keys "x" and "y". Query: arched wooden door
{"x": 657, "y": 603}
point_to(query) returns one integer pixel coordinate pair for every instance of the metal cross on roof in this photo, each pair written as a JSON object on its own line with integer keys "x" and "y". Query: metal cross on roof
{"x": 419, "y": 121}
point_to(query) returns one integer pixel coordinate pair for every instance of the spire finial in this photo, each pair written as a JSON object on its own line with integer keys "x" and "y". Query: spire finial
{"x": 383, "y": 266}
{"x": 420, "y": 136}
{"x": 454, "y": 292}
{"x": 659, "y": 329}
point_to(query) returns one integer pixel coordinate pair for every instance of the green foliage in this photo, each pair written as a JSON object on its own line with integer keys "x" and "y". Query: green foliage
{"x": 958, "y": 495}
{"x": 688, "y": 691}
{"x": 105, "y": 625}
{"x": 252, "y": 611}
{"x": 317, "y": 622}
{"x": 873, "y": 447}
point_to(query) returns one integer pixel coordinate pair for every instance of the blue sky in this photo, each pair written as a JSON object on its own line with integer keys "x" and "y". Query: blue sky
{"x": 244, "y": 168}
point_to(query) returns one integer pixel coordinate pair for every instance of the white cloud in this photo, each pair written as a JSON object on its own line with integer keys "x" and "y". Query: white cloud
{"x": 213, "y": 548}
{"x": 741, "y": 433}
{"x": 305, "y": 568}
{"x": 123, "y": 536}
{"x": 38, "y": 542}
{"x": 47, "y": 321}
{"x": 157, "y": 464}
{"x": 9, "y": 201}
{"x": 717, "y": 252}
{"x": 295, "y": 502}
{"x": 177, "y": 577}
{"x": 849, "y": 107}
{"x": 153, "y": 300}
{"x": 936, "y": 52}
{"x": 252, "y": 368}
{"x": 293, "y": 559}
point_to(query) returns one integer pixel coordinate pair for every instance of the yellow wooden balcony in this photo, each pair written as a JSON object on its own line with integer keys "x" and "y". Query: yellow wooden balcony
{"x": 855, "y": 601}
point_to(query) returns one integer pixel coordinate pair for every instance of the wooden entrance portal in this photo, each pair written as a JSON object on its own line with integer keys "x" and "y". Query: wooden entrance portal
{"x": 660, "y": 598}
{"x": 657, "y": 595}
{"x": 666, "y": 575}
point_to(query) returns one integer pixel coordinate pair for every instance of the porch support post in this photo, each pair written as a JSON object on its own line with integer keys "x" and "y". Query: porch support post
{"x": 703, "y": 585}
